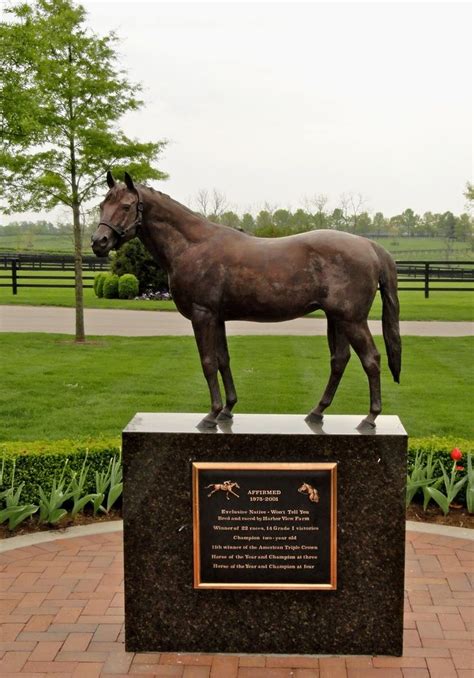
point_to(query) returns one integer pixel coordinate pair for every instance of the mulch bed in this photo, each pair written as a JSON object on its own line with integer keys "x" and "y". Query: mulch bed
{"x": 457, "y": 517}
{"x": 31, "y": 526}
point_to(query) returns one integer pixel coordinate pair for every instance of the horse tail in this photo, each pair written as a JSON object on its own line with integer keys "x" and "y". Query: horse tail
{"x": 390, "y": 311}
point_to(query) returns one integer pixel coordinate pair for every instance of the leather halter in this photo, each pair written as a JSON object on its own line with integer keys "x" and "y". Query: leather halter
{"x": 120, "y": 230}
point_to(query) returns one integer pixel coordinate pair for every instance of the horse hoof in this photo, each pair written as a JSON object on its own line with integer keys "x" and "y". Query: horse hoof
{"x": 225, "y": 415}
{"x": 207, "y": 424}
{"x": 368, "y": 424}
{"x": 313, "y": 418}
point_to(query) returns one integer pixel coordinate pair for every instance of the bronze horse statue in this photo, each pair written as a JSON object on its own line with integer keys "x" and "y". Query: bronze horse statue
{"x": 217, "y": 273}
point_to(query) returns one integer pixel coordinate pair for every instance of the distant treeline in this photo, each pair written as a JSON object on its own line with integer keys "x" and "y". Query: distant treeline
{"x": 408, "y": 224}
{"x": 278, "y": 222}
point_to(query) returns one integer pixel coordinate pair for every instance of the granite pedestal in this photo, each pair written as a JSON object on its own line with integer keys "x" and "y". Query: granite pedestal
{"x": 163, "y": 612}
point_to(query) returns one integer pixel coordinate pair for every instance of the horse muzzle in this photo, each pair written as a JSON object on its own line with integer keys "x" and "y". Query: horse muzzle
{"x": 102, "y": 243}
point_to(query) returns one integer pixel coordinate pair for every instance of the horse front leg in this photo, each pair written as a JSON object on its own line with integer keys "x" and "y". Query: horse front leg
{"x": 205, "y": 331}
{"x": 223, "y": 361}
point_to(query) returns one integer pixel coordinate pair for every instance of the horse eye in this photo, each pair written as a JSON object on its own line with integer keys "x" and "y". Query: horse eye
{"x": 126, "y": 207}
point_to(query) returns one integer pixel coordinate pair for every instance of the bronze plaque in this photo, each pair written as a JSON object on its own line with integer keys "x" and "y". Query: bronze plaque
{"x": 264, "y": 525}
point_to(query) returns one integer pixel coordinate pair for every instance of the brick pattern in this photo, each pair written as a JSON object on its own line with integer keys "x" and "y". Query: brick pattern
{"x": 62, "y": 607}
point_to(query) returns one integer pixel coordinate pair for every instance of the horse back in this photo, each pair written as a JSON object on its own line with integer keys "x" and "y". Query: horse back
{"x": 241, "y": 277}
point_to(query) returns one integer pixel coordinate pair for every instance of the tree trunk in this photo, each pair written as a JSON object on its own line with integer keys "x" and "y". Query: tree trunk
{"x": 79, "y": 296}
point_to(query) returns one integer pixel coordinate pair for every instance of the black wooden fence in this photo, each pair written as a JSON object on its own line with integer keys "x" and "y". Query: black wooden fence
{"x": 426, "y": 276}
{"x": 453, "y": 273}
{"x": 51, "y": 266}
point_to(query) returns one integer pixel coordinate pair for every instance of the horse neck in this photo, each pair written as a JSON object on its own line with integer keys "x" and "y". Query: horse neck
{"x": 170, "y": 228}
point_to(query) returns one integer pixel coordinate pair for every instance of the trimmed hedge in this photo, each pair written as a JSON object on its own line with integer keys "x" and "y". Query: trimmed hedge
{"x": 128, "y": 286}
{"x": 37, "y": 463}
{"x": 441, "y": 448}
{"x": 99, "y": 284}
{"x": 110, "y": 288}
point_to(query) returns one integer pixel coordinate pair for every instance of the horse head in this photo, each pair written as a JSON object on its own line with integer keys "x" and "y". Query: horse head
{"x": 120, "y": 216}
{"x": 304, "y": 488}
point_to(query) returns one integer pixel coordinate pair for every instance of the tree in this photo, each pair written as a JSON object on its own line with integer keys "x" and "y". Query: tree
{"x": 282, "y": 220}
{"x": 230, "y": 219}
{"x": 409, "y": 222}
{"x": 318, "y": 204}
{"x": 248, "y": 223}
{"x": 469, "y": 193}
{"x": 264, "y": 226}
{"x": 62, "y": 97}
{"x": 352, "y": 207}
{"x": 464, "y": 227}
{"x": 449, "y": 226}
{"x": 301, "y": 221}
{"x": 211, "y": 205}
{"x": 379, "y": 223}
{"x": 337, "y": 220}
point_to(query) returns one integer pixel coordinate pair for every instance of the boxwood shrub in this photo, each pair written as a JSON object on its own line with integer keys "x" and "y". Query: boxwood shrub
{"x": 110, "y": 286}
{"x": 128, "y": 286}
{"x": 99, "y": 284}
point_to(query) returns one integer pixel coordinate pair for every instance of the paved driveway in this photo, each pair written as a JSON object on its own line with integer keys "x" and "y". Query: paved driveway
{"x": 162, "y": 323}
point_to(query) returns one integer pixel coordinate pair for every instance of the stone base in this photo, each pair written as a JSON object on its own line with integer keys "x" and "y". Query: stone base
{"x": 164, "y": 613}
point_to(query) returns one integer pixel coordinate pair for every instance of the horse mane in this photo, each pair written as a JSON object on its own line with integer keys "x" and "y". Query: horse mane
{"x": 168, "y": 197}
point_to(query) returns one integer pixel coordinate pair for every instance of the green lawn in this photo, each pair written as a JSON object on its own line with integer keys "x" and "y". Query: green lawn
{"x": 448, "y": 306}
{"x": 41, "y": 243}
{"x": 49, "y": 296}
{"x": 52, "y": 388}
{"x": 400, "y": 248}
{"x": 409, "y": 249}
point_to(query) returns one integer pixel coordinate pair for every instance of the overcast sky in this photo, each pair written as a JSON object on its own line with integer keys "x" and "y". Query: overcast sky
{"x": 277, "y": 101}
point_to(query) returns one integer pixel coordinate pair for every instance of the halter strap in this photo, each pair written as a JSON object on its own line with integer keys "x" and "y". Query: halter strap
{"x": 120, "y": 230}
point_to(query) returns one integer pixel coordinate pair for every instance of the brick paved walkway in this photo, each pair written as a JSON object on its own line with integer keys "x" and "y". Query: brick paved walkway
{"x": 62, "y": 615}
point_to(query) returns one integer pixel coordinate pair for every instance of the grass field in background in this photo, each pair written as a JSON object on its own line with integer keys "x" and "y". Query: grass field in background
{"x": 447, "y": 306}
{"x": 53, "y": 388}
{"x": 426, "y": 248}
{"x": 45, "y": 244}
{"x": 402, "y": 248}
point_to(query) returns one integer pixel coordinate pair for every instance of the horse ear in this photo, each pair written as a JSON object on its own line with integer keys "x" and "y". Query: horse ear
{"x": 129, "y": 182}
{"x": 110, "y": 179}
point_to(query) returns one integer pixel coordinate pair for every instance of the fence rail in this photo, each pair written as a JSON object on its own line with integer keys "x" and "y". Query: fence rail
{"x": 51, "y": 262}
{"x": 428, "y": 274}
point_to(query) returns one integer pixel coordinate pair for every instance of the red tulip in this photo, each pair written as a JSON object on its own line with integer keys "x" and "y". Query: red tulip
{"x": 456, "y": 454}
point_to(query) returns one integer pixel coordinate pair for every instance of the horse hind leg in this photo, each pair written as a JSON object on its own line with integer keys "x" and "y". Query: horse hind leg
{"x": 340, "y": 354}
{"x": 223, "y": 361}
{"x": 363, "y": 344}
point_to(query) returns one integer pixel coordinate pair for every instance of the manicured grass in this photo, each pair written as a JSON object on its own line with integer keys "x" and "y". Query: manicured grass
{"x": 53, "y": 388}
{"x": 426, "y": 248}
{"x": 47, "y": 296}
{"x": 447, "y": 306}
{"x": 45, "y": 243}
{"x": 401, "y": 248}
